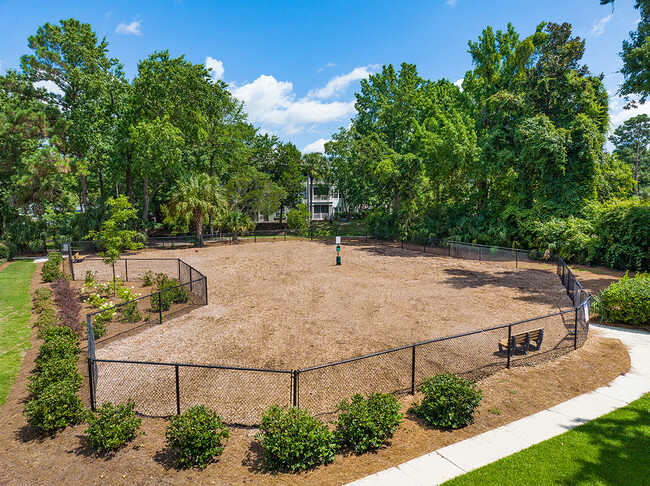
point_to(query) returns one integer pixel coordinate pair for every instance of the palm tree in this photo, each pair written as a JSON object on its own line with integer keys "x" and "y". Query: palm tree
{"x": 314, "y": 165}
{"x": 195, "y": 198}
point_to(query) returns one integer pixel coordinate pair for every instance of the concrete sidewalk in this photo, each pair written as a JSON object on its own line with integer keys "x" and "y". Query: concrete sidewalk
{"x": 461, "y": 457}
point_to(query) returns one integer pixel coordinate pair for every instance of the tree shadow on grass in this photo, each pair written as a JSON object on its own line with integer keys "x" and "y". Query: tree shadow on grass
{"x": 622, "y": 443}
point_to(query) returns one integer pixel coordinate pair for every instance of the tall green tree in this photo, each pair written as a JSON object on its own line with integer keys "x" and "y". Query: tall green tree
{"x": 314, "y": 166}
{"x": 76, "y": 62}
{"x": 195, "y": 198}
{"x": 631, "y": 140}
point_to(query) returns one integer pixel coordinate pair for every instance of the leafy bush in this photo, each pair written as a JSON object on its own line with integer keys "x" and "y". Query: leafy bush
{"x": 171, "y": 295}
{"x": 5, "y": 253}
{"x": 148, "y": 279}
{"x": 293, "y": 440}
{"x": 36, "y": 246}
{"x": 100, "y": 328}
{"x": 52, "y": 268}
{"x": 298, "y": 218}
{"x": 54, "y": 370}
{"x": 69, "y": 305}
{"x": 91, "y": 278}
{"x": 627, "y": 300}
{"x": 41, "y": 300}
{"x": 130, "y": 312}
{"x": 449, "y": 401}
{"x": 112, "y": 426}
{"x": 55, "y": 407}
{"x": 365, "y": 424}
{"x": 58, "y": 346}
{"x": 196, "y": 435}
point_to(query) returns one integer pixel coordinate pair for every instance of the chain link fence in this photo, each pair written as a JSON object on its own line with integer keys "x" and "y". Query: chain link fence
{"x": 241, "y": 395}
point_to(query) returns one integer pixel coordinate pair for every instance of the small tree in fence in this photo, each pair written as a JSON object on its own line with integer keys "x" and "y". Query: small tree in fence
{"x": 113, "y": 235}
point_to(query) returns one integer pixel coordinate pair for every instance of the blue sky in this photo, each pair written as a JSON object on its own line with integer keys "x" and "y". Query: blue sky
{"x": 297, "y": 64}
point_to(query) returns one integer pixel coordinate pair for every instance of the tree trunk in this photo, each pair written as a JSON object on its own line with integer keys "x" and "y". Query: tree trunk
{"x": 198, "y": 222}
{"x": 101, "y": 183}
{"x": 211, "y": 222}
{"x": 145, "y": 212}
{"x": 129, "y": 184}
{"x": 395, "y": 200}
{"x": 84, "y": 193}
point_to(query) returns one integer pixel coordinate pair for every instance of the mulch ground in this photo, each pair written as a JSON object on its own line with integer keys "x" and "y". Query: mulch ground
{"x": 28, "y": 458}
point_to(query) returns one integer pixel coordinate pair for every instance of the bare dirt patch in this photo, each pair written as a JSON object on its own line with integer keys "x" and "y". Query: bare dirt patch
{"x": 286, "y": 305}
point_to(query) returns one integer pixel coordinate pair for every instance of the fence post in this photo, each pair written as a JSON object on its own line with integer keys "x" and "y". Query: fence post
{"x": 91, "y": 384}
{"x": 366, "y": 237}
{"x": 402, "y": 244}
{"x": 575, "y": 331}
{"x": 191, "y": 279}
{"x": 205, "y": 287}
{"x": 479, "y": 254}
{"x": 160, "y": 305}
{"x": 424, "y": 245}
{"x": 285, "y": 236}
{"x": 413, "y": 373}
{"x": 311, "y": 234}
{"x": 516, "y": 258}
{"x": 254, "y": 237}
{"x": 126, "y": 269}
{"x": 295, "y": 388}
{"x": 178, "y": 393}
{"x": 509, "y": 339}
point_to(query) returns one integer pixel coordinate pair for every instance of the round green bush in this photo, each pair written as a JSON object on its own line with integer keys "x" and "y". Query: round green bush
{"x": 51, "y": 270}
{"x": 365, "y": 424}
{"x": 627, "y": 300}
{"x": 112, "y": 426}
{"x": 293, "y": 440}
{"x": 54, "y": 370}
{"x": 196, "y": 435}
{"x": 449, "y": 401}
{"x": 55, "y": 407}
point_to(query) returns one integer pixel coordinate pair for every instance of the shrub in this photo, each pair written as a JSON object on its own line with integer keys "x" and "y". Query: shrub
{"x": 54, "y": 370}
{"x": 52, "y": 268}
{"x": 5, "y": 253}
{"x": 69, "y": 305}
{"x": 170, "y": 295}
{"x": 36, "y": 246}
{"x": 196, "y": 435}
{"x": 130, "y": 312}
{"x": 298, "y": 218}
{"x": 627, "y": 300}
{"x": 41, "y": 300}
{"x": 100, "y": 328}
{"x": 293, "y": 440}
{"x": 449, "y": 401}
{"x": 112, "y": 426}
{"x": 365, "y": 424}
{"x": 55, "y": 407}
{"x": 91, "y": 278}
{"x": 148, "y": 279}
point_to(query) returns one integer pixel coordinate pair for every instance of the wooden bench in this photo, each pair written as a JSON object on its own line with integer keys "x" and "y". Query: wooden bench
{"x": 524, "y": 340}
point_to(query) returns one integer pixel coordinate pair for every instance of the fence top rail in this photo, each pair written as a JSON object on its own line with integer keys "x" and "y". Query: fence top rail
{"x": 431, "y": 341}
{"x": 188, "y": 365}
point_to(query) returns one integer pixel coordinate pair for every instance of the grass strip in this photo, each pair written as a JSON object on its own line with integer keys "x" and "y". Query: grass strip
{"x": 612, "y": 449}
{"x": 14, "y": 321}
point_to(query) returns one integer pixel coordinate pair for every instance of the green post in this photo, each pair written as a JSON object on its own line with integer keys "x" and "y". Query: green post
{"x": 338, "y": 254}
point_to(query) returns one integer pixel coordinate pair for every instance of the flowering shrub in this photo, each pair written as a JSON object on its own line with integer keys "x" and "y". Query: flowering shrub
{"x": 96, "y": 301}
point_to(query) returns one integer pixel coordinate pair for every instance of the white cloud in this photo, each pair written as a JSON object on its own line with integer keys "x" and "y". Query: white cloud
{"x": 619, "y": 114}
{"x": 327, "y": 66}
{"x": 216, "y": 66}
{"x": 132, "y": 28}
{"x": 459, "y": 83}
{"x": 273, "y": 103}
{"x": 317, "y": 146}
{"x": 50, "y": 86}
{"x": 337, "y": 85}
{"x": 599, "y": 26}
{"x": 452, "y": 3}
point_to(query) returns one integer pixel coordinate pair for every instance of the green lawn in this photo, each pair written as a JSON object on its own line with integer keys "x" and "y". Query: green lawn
{"x": 14, "y": 321}
{"x": 610, "y": 450}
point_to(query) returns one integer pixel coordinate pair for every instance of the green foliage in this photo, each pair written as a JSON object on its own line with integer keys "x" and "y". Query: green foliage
{"x": 54, "y": 370}
{"x": 55, "y": 407}
{"x": 112, "y": 426}
{"x": 171, "y": 292}
{"x": 5, "y": 253}
{"x": 293, "y": 440}
{"x": 366, "y": 423}
{"x": 91, "y": 278}
{"x": 51, "y": 270}
{"x": 130, "y": 312}
{"x": 100, "y": 327}
{"x": 449, "y": 401}
{"x": 627, "y": 300}
{"x": 54, "y": 402}
{"x": 148, "y": 279}
{"x": 197, "y": 436}
{"x": 298, "y": 218}
{"x": 237, "y": 222}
